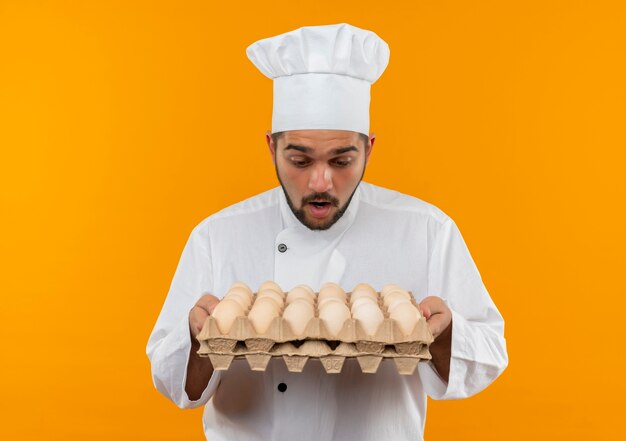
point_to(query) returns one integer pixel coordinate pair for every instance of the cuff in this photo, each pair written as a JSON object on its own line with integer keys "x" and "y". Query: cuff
{"x": 208, "y": 392}
{"x": 434, "y": 385}
{"x": 181, "y": 339}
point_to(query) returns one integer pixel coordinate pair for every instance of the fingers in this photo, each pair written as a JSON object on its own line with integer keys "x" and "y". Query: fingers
{"x": 208, "y": 302}
{"x": 200, "y": 311}
{"x": 437, "y": 314}
{"x": 432, "y": 305}
{"x": 197, "y": 317}
{"x": 437, "y": 324}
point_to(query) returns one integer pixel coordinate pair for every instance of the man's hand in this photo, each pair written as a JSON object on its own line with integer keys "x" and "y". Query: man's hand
{"x": 439, "y": 319}
{"x": 437, "y": 314}
{"x": 200, "y": 311}
{"x": 199, "y": 370}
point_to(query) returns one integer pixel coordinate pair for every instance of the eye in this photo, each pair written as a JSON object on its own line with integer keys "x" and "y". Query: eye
{"x": 341, "y": 162}
{"x": 300, "y": 161}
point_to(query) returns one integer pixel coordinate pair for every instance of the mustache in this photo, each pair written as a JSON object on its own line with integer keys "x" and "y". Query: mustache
{"x": 317, "y": 197}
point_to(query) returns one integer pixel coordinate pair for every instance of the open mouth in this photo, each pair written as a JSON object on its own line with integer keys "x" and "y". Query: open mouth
{"x": 319, "y": 204}
{"x": 319, "y": 209}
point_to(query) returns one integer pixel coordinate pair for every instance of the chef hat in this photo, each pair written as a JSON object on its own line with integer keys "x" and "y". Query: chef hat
{"x": 322, "y": 76}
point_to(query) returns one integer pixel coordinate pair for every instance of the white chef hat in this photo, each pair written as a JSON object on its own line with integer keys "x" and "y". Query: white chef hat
{"x": 322, "y": 76}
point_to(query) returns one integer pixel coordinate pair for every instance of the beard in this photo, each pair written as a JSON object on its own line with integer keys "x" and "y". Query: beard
{"x": 300, "y": 214}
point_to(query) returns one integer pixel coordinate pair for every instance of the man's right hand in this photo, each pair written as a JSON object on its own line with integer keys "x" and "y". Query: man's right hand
{"x": 199, "y": 370}
{"x": 200, "y": 311}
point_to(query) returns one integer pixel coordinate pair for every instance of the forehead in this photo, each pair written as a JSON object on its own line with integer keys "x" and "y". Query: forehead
{"x": 320, "y": 140}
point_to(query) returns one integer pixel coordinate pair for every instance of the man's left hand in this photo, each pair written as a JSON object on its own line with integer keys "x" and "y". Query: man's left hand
{"x": 437, "y": 314}
{"x": 439, "y": 319}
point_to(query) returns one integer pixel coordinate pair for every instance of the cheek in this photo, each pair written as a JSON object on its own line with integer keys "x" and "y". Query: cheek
{"x": 293, "y": 177}
{"x": 347, "y": 180}
{"x": 295, "y": 181}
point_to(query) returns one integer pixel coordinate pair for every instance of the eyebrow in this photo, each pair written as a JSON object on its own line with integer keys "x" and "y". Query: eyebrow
{"x": 334, "y": 152}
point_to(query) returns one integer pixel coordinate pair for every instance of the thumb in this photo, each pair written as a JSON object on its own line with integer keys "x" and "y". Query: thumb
{"x": 208, "y": 302}
{"x": 436, "y": 323}
{"x": 425, "y": 310}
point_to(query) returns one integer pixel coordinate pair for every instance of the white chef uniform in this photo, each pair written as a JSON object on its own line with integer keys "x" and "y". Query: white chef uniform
{"x": 384, "y": 237}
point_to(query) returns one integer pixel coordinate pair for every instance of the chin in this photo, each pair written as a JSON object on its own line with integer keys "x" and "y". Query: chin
{"x": 319, "y": 224}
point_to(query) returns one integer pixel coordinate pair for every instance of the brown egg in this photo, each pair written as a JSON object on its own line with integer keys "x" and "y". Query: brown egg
{"x": 307, "y": 288}
{"x": 364, "y": 286}
{"x": 331, "y": 290}
{"x": 390, "y": 287}
{"x": 308, "y": 304}
{"x": 267, "y": 299}
{"x": 393, "y": 295}
{"x": 241, "y": 285}
{"x": 298, "y": 314}
{"x": 272, "y": 294}
{"x": 407, "y": 316}
{"x": 240, "y": 290}
{"x": 299, "y": 292}
{"x": 397, "y": 302}
{"x": 334, "y": 316}
{"x": 363, "y": 301}
{"x": 321, "y": 304}
{"x": 370, "y": 317}
{"x": 271, "y": 285}
{"x": 363, "y": 290}
{"x": 243, "y": 296}
{"x": 225, "y": 314}
{"x": 262, "y": 314}
{"x": 243, "y": 302}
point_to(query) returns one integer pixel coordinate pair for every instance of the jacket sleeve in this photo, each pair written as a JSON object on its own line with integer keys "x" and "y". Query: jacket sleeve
{"x": 478, "y": 346}
{"x": 170, "y": 342}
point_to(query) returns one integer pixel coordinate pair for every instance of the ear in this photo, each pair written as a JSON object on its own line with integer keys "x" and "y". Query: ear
{"x": 370, "y": 146}
{"x": 270, "y": 144}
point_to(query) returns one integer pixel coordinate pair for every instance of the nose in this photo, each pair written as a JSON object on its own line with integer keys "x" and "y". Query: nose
{"x": 321, "y": 179}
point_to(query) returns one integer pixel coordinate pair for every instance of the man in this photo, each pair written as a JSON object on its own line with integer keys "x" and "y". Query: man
{"x": 324, "y": 225}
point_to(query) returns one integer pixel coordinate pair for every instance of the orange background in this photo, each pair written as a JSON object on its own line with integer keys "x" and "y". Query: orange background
{"x": 124, "y": 124}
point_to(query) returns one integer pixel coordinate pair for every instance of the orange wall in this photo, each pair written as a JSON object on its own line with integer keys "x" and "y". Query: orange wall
{"x": 123, "y": 124}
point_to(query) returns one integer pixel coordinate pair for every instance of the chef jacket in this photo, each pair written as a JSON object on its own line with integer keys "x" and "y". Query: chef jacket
{"x": 383, "y": 237}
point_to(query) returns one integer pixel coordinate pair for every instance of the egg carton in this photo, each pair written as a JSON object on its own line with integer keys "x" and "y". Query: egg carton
{"x": 332, "y": 356}
{"x": 389, "y": 341}
{"x": 279, "y": 331}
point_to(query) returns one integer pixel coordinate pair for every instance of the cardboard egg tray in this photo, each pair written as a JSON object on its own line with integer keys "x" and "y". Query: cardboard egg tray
{"x": 388, "y": 342}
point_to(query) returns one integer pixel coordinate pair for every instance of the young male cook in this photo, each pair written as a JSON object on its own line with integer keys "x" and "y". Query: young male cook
{"x": 323, "y": 224}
